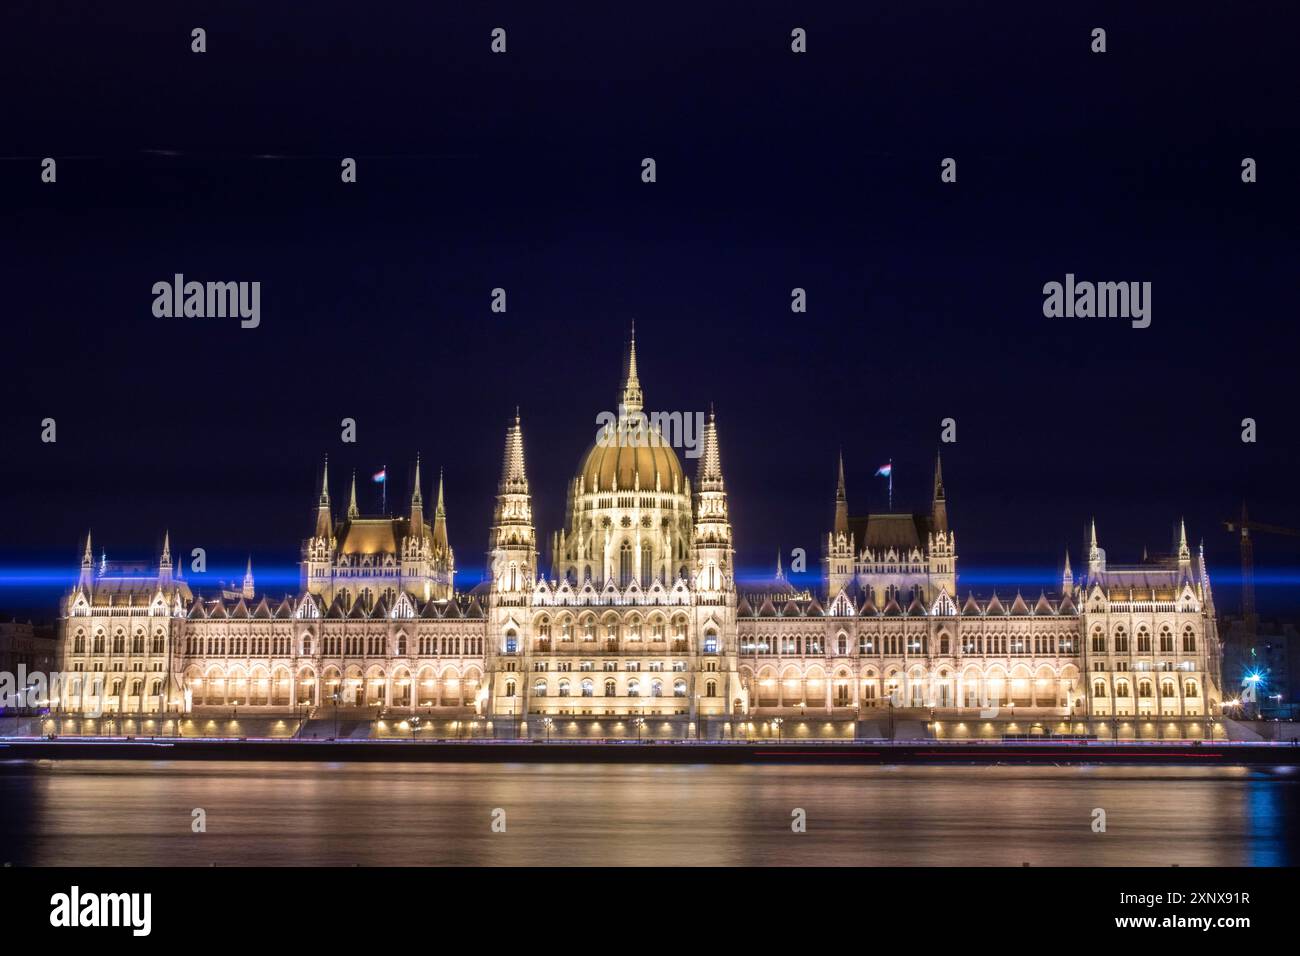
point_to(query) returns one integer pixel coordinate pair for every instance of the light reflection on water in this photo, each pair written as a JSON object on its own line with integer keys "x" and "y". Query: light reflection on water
{"x": 134, "y": 813}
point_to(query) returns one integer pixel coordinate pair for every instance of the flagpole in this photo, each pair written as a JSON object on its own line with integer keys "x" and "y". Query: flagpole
{"x": 891, "y": 484}
{"x": 384, "y": 491}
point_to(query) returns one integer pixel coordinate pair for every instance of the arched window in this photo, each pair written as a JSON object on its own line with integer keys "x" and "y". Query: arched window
{"x": 656, "y": 688}
{"x": 679, "y": 688}
{"x": 510, "y": 687}
{"x": 401, "y": 645}
{"x": 710, "y": 641}
{"x": 711, "y": 689}
{"x": 1189, "y": 640}
{"x": 611, "y": 689}
{"x": 306, "y": 645}
{"x": 512, "y": 641}
{"x": 588, "y": 688}
{"x": 1099, "y": 688}
{"x": 1121, "y": 688}
{"x": 1167, "y": 689}
{"x": 625, "y": 564}
{"x": 539, "y": 688}
{"x": 634, "y": 688}
{"x": 564, "y": 687}
{"x": 1189, "y": 689}
{"x": 1166, "y": 640}
{"x": 647, "y": 565}
{"x": 1144, "y": 688}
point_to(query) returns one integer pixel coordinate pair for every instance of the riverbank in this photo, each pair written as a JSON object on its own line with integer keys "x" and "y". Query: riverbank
{"x": 654, "y": 751}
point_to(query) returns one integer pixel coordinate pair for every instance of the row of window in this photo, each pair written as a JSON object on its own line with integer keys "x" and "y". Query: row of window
{"x": 1144, "y": 688}
{"x": 898, "y": 645}
{"x": 352, "y": 645}
{"x": 157, "y": 644}
{"x": 587, "y": 688}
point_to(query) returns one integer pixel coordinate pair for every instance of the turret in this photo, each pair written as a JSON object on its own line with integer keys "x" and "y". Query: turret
{"x": 165, "y": 561}
{"x": 247, "y": 590}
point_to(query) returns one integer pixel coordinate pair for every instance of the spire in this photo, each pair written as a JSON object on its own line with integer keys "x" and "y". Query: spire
{"x": 352, "y": 498}
{"x": 439, "y": 519}
{"x": 1096, "y": 556}
{"x": 709, "y": 477}
{"x": 939, "y": 509}
{"x": 324, "y": 522}
{"x": 417, "y": 504}
{"x": 1184, "y": 552}
{"x": 87, "y": 564}
{"x": 841, "y": 502}
{"x": 248, "y": 591}
{"x": 165, "y": 562}
{"x": 632, "y": 398}
{"x": 780, "y": 574}
{"x": 514, "y": 479}
{"x": 1067, "y": 577}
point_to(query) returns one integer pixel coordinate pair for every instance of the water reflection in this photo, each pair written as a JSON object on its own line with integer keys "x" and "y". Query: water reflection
{"x": 133, "y": 813}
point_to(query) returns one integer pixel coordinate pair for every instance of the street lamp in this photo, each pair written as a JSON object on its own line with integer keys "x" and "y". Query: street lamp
{"x": 639, "y": 722}
{"x": 777, "y": 721}
{"x": 415, "y": 725}
{"x": 546, "y": 722}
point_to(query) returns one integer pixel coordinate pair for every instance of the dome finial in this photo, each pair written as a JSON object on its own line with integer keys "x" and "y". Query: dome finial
{"x": 632, "y": 398}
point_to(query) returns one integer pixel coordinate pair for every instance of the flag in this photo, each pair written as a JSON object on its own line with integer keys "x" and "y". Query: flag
{"x": 381, "y": 475}
{"x": 885, "y": 471}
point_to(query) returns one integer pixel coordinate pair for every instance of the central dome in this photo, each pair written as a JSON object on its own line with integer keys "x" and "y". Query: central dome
{"x": 631, "y": 464}
{"x": 632, "y": 452}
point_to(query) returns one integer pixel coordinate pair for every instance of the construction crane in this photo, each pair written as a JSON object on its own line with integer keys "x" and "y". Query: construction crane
{"x": 1245, "y": 526}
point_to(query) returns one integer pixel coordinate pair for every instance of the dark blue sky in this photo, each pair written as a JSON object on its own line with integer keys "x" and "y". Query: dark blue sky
{"x": 774, "y": 171}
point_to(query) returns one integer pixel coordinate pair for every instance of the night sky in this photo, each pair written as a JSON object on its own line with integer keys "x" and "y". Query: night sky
{"x": 522, "y": 171}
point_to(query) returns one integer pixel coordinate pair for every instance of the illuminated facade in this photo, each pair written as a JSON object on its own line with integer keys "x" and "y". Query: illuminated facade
{"x": 640, "y": 621}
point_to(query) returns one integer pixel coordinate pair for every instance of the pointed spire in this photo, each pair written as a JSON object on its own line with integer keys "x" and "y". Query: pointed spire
{"x": 780, "y": 574}
{"x": 841, "y": 501}
{"x": 1096, "y": 556}
{"x": 87, "y": 564}
{"x": 417, "y": 504}
{"x": 632, "y": 401}
{"x": 353, "y": 511}
{"x": 165, "y": 562}
{"x": 439, "y": 519}
{"x": 248, "y": 590}
{"x": 709, "y": 477}
{"x": 939, "y": 509}
{"x": 324, "y": 523}
{"x": 1067, "y": 577}
{"x": 514, "y": 478}
{"x": 1184, "y": 552}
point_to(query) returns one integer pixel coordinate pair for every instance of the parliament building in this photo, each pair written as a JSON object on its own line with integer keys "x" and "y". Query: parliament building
{"x": 639, "y": 627}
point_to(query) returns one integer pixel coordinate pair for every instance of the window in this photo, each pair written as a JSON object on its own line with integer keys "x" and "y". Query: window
{"x": 539, "y": 688}
{"x": 564, "y": 687}
{"x": 588, "y": 688}
{"x": 510, "y": 687}
{"x": 634, "y": 688}
{"x": 1189, "y": 640}
{"x": 710, "y": 689}
{"x": 1099, "y": 689}
{"x": 611, "y": 689}
{"x": 679, "y": 688}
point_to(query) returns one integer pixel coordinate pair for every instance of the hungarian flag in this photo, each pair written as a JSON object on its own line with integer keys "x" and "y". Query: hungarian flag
{"x": 885, "y": 471}
{"x": 381, "y": 475}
